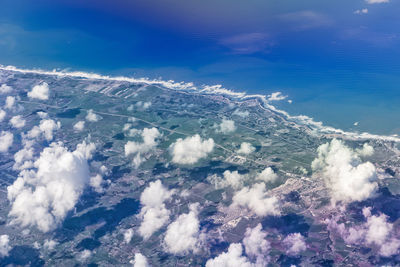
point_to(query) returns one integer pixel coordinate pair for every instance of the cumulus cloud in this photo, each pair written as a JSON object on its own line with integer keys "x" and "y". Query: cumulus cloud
{"x": 276, "y": 96}
{"x": 10, "y": 102}
{"x": 17, "y": 121}
{"x": 256, "y": 246}
{"x": 359, "y": 12}
{"x": 267, "y": 175}
{"x": 96, "y": 182}
{"x": 93, "y": 117}
{"x": 366, "y": 151}
{"x": 233, "y": 179}
{"x": 140, "y": 260}
{"x": 128, "y": 234}
{"x": 46, "y": 128}
{"x": 240, "y": 113}
{"x": 182, "y": 234}
{"x": 226, "y": 126}
{"x": 149, "y": 136}
{"x": 84, "y": 255}
{"x": 345, "y": 175}
{"x": 376, "y": 233}
{"x": 49, "y": 244}
{"x": 5, "y": 89}
{"x": 143, "y": 105}
{"x": 295, "y": 244}
{"x": 43, "y": 195}
{"x": 232, "y": 258}
{"x": 6, "y": 141}
{"x": 376, "y": 1}
{"x": 154, "y": 214}
{"x": 23, "y": 158}
{"x": 2, "y": 115}
{"x": 4, "y": 245}
{"x": 191, "y": 149}
{"x": 40, "y": 91}
{"x": 246, "y": 148}
{"x": 256, "y": 199}
{"x": 79, "y": 126}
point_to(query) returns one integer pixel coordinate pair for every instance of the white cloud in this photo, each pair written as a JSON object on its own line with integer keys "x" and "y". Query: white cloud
{"x": 84, "y": 255}
{"x": 246, "y": 148}
{"x": 233, "y": 179}
{"x": 240, "y": 113}
{"x": 365, "y": 151}
{"x": 191, "y": 149}
{"x": 154, "y": 213}
{"x": 86, "y": 149}
{"x": 182, "y": 234}
{"x": 6, "y": 141}
{"x": 140, "y": 261}
{"x": 257, "y": 200}
{"x": 359, "y": 12}
{"x": 93, "y": 117}
{"x": 46, "y": 128}
{"x": 10, "y": 102}
{"x": 49, "y": 244}
{"x": 17, "y": 121}
{"x": 142, "y": 105}
{"x": 295, "y": 244}
{"x": 42, "y": 196}
{"x": 4, "y": 245}
{"x": 40, "y": 91}
{"x": 376, "y": 232}
{"x": 23, "y": 159}
{"x": 232, "y": 258}
{"x": 149, "y": 136}
{"x": 96, "y": 183}
{"x": 226, "y": 126}
{"x": 256, "y": 246}
{"x": 5, "y": 89}
{"x": 128, "y": 234}
{"x": 345, "y": 175}
{"x": 267, "y": 175}
{"x": 376, "y": 1}
{"x": 276, "y": 96}
{"x": 2, "y": 115}
{"x": 79, "y": 126}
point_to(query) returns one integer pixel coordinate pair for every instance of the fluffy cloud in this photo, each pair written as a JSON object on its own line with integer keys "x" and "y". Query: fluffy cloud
{"x": 79, "y": 126}
{"x": 191, "y": 149}
{"x": 128, "y": 234}
{"x": 232, "y": 258}
{"x": 256, "y": 246}
{"x": 376, "y": 1}
{"x": 257, "y": 200}
{"x": 43, "y": 195}
{"x": 23, "y": 158}
{"x": 6, "y": 141}
{"x": 226, "y": 126}
{"x": 182, "y": 234}
{"x": 96, "y": 183}
{"x": 365, "y": 151}
{"x": 276, "y": 96}
{"x": 143, "y": 105}
{"x": 4, "y": 245}
{"x": 345, "y": 175}
{"x": 376, "y": 232}
{"x": 149, "y": 136}
{"x": 233, "y": 179}
{"x": 10, "y": 102}
{"x": 49, "y": 244}
{"x": 17, "y": 121}
{"x": 267, "y": 175}
{"x": 46, "y": 128}
{"x": 5, "y": 89}
{"x": 2, "y": 115}
{"x": 359, "y": 12}
{"x": 140, "y": 260}
{"x": 154, "y": 214}
{"x": 93, "y": 117}
{"x": 246, "y": 148}
{"x": 295, "y": 244}
{"x": 40, "y": 91}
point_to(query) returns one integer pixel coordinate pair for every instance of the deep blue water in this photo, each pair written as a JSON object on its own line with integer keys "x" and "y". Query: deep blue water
{"x": 338, "y": 67}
